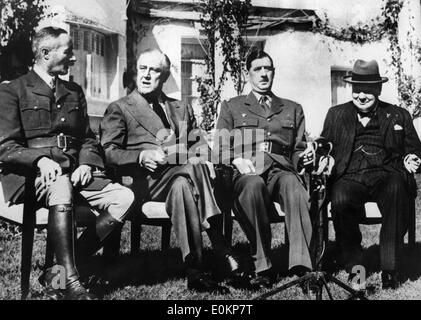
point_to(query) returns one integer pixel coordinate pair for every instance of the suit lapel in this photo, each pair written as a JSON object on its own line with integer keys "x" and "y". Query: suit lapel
{"x": 349, "y": 122}
{"x": 175, "y": 114}
{"x": 254, "y": 106}
{"x": 140, "y": 110}
{"x": 384, "y": 116}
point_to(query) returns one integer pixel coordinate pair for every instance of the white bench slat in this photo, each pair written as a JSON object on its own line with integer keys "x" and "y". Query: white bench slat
{"x": 371, "y": 210}
{"x": 155, "y": 210}
{"x": 14, "y": 213}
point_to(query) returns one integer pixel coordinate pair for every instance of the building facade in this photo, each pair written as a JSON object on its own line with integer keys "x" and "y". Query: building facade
{"x": 309, "y": 66}
{"x": 98, "y": 29}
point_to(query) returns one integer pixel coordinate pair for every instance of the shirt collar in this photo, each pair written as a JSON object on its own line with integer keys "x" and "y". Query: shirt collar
{"x": 161, "y": 102}
{"x": 43, "y": 75}
{"x": 259, "y": 96}
{"x": 370, "y": 113}
{"x": 160, "y": 99}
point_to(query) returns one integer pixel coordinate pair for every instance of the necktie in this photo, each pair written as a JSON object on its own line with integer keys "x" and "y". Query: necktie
{"x": 369, "y": 114}
{"x": 265, "y": 103}
{"x": 365, "y": 117}
{"x": 53, "y": 84}
{"x": 160, "y": 112}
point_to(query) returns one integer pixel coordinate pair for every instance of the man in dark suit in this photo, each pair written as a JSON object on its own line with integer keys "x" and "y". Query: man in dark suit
{"x": 272, "y": 129}
{"x": 146, "y": 137}
{"x": 376, "y": 151}
{"x": 45, "y": 134}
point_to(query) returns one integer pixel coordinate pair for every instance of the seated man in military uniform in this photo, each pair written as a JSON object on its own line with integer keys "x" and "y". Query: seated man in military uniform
{"x": 272, "y": 129}
{"x": 45, "y": 133}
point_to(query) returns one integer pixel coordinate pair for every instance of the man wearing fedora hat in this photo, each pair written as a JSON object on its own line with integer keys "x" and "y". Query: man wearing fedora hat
{"x": 376, "y": 151}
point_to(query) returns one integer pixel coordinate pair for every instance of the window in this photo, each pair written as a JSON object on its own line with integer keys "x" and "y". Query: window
{"x": 102, "y": 46}
{"x": 97, "y": 48}
{"x": 340, "y": 89}
{"x": 76, "y": 39}
{"x": 192, "y": 66}
{"x": 86, "y": 42}
{"x": 93, "y": 42}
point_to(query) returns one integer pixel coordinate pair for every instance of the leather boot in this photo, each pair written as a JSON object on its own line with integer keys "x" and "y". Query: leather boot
{"x": 61, "y": 231}
{"x": 92, "y": 239}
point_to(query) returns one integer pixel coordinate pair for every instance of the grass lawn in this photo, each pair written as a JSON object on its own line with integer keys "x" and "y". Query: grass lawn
{"x": 150, "y": 275}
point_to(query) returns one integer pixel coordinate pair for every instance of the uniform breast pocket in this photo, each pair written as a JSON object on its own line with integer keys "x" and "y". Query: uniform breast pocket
{"x": 287, "y": 128}
{"x": 74, "y": 112}
{"x": 245, "y": 123}
{"x": 35, "y": 115}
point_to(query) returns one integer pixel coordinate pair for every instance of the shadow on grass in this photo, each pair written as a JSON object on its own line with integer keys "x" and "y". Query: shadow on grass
{"x": 157, "y": 267}
{"x": 410, "y": 265}
{"x": 146, "y": 267}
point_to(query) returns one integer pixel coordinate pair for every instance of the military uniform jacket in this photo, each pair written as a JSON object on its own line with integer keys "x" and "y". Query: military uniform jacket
{"x": 396, "y": 127}
{"x": 30, "y": 110}
{"x": 284, "y": 125}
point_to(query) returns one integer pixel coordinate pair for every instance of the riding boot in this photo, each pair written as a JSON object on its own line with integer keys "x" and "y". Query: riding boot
{"x": 61, "y": 231}
{"x": 92, "y": 239}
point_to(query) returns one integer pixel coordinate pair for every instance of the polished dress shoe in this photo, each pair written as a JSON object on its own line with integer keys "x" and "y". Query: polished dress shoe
{"x": 299, "y": 271}
{"x": 263, "y": 280}
{"x": 75, "y": 291}
{"x": 202, "y": 282}
{"x": 252, "y": 281}
{"x": 390, "y": 280}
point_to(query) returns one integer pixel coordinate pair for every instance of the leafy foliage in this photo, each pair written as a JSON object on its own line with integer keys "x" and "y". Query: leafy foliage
{"x": 18, "y": 20}
{"x": 223, "y": 22}
{"x": 384, "y": 26}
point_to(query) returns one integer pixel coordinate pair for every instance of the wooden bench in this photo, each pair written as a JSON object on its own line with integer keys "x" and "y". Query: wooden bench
{"x": 26, "y": 216}
{"x": 372, "y": 216}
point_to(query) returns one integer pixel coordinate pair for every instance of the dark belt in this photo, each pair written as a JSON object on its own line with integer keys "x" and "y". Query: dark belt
{"x": 272, "y": 147}
{"x": 61, "y": 141}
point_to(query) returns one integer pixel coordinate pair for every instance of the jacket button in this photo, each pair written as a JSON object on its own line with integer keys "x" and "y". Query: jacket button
{"x": 63, "y": 119}
{"x": 269, "y": 133}
{"x": 35, "y": 107}
{"x": 268, "y": 119}
{"x": 58, "y": 106}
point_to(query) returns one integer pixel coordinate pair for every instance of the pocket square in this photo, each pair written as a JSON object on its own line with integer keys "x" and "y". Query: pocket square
{"x": 397, "y": 127}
